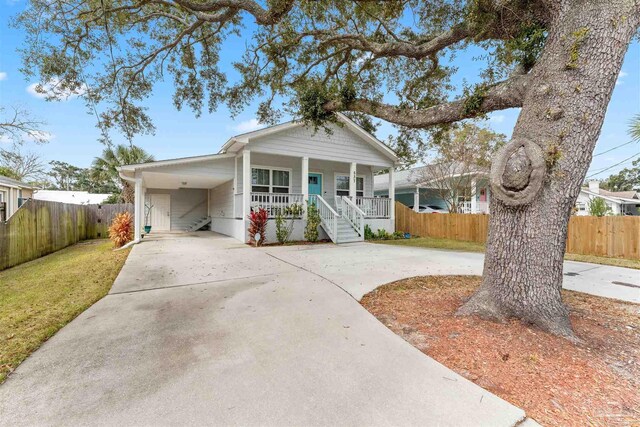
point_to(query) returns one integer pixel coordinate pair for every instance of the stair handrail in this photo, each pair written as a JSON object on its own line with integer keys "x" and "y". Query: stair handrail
{"x": 328, "y": 217}
{"x": 202, "y": 202}
{"x": 352, "y": 213}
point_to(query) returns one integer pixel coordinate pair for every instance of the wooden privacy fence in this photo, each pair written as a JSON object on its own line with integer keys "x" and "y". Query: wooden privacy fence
{"x": 40, "y": 227}
{"x": 610, "y": 236}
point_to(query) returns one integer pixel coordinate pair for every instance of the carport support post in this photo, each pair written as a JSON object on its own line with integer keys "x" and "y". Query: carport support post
{"x": 246, "y": 184}
{"x": 416, "y": 200}
{"x": 305, "y": 186}
{"x": 138, "y": 207}
{"x": 392, "y": 196}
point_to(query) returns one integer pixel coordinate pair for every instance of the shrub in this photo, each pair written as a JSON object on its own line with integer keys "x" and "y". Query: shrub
{"x": 368, "y": 234}
{"x": 121, "y": 230}
{"x": 598, "y": 207}
{"x": 398, "y": 235}
{"x": 284, "y": 228}
{"x": 382, "y": 234}
{"x": 313, "y": 221}
{"x": 258, "y": 225}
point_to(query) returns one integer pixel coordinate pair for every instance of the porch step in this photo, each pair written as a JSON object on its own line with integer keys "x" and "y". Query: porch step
{"x": 346, "y": 232}
{"x": 199, "y": 224}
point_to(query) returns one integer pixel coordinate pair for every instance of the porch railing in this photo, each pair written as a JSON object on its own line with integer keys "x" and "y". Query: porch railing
{"x": 374, "y": 207}
{"x": 328, "y": 218}
{"x": 288, "y": 204}
{"x": 353, "y": 214}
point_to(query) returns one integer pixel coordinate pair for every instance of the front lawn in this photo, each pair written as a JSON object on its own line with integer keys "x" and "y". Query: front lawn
{"x": 556, "y": 382}
{"x": 40, "y": 297}
{"x": 458, "y": 245}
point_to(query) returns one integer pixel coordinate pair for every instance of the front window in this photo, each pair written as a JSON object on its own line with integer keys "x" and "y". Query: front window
{"x": 342, "y": 185}
{"x": 270, "y": 180}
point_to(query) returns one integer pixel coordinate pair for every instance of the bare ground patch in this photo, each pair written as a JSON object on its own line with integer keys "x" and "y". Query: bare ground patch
{"x": 596, "y": 382}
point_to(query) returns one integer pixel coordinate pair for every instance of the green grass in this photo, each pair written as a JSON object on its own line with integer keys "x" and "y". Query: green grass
{"x": 40, "y": 297}
{"x": 456, "y": 245}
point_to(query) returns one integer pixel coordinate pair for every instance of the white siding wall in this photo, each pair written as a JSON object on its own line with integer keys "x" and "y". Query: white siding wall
{"x": 183, "y": 206}
{"x": 341, "y": 145}
{"x": 222, "y": 168}
{"x": 221, "y": 201}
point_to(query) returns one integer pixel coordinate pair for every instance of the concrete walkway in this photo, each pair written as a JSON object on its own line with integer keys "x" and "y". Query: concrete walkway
{"x": 201, "y": 330}
{"x": 361, "y": 267}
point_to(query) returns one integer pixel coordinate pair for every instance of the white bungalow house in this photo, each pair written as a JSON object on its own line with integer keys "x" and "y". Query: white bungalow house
{"x": 620, "y": 202}
{"x": 273, "y": 168}
{"x": 415, "y": 187}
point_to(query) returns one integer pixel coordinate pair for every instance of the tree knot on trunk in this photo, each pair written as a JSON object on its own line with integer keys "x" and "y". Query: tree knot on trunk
{"x": 517, "y": 172}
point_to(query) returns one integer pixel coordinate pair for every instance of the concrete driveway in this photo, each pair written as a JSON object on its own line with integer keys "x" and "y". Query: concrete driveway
{"x": 201, "y": 330}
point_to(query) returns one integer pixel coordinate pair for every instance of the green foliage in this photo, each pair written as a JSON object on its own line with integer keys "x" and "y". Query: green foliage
{"x": 284, "y": 228}
{"x": 598, "y": 207}
{"x": 9, "y": 173}
{"x": 104, "y": 169}
{"x": 368, "y": 233}
{"x": 626, "y": 180}
{"x": 525, "y": 48}
{"x": 473, "y": 99}
{"x": 114, "y": 199}
{"x": 634, "y": 128}
{"x": 313, "y": 222}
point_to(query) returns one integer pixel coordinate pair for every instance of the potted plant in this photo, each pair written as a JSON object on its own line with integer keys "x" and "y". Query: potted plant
{"x": 147, "y": 212}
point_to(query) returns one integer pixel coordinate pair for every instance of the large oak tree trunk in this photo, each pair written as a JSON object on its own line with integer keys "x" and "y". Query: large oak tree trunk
{"x": 537, "y": 177}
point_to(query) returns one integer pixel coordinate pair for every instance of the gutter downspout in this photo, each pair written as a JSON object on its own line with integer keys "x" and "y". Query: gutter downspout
{"x": 137, "y": 185}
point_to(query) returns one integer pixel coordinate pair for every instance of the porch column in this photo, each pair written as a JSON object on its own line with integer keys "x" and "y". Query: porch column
{"x": 138, "y": 206}
{"x": 416, "y": 200}
{"x": 352, "y": 181}
{"x": 392, "y": 194}
{"x": 246, "y": 184}
{"x": 474, "y": 189}
{"x": 305, "y": 185}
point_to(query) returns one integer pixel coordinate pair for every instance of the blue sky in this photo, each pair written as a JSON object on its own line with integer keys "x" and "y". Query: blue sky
{"x": 74, "y": 137}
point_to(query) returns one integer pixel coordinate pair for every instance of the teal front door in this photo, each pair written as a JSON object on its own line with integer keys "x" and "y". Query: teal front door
{"x": 315, "y": 184}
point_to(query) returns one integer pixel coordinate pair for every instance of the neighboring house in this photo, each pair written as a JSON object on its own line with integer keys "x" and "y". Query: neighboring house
{"x": 72, "y": 197}
{"x": 415, "y": 188}
{"x": 620, "y": 202}
{"x": 276, "y": 167}
{"x": 13, "y": 194}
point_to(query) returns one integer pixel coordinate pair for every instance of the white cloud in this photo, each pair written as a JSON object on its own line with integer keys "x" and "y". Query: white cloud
{"x": 3, "y": 75}
{"x": 497, "y": 118}
{"x": 621, "y": 76}
{"x": 52, "y": 88}
{"x": 5, "y": 139}
{"x": 248, "y": 126}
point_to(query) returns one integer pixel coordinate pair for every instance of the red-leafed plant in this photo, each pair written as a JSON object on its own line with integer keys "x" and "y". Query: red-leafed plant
{"x": 257, "y": 225}
{"x": 121, "y": 229}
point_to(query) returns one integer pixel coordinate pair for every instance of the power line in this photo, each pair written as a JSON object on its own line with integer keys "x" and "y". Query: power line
{"x": 613, "y": 166}
{"x": 614, "y": 148}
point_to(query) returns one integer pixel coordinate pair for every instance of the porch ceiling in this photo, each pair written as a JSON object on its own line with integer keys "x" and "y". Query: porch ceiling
{"x": 172, "y": 181}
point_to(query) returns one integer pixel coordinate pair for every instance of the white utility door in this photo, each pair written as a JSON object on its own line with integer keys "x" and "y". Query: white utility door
{"x": 160, "y": 212}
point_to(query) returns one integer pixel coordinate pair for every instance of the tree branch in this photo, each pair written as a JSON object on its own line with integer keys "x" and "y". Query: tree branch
{"x": 506, "y": 94}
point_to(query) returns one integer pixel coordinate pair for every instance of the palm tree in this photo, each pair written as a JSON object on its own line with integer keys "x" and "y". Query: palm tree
{"x": 634, "y": 128}
{"x": 105, "y": 167}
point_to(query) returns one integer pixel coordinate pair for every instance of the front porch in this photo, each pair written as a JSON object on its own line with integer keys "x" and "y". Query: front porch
{"x": 218, "y": 193}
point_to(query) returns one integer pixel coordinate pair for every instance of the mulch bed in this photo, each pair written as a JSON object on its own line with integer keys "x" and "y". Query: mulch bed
{"x": 558, "y": 383}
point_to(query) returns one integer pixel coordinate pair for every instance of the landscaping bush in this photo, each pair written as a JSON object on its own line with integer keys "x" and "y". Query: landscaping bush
{"x": 284, "y": 228}
{"x": 313, "y": 221}
{"x": 368, "y": 233}
{"x": 122, "y": 229}
{"x": 258, "y": 225}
